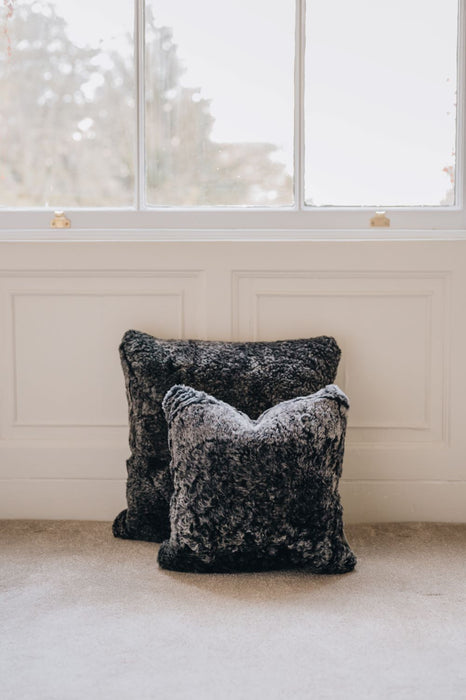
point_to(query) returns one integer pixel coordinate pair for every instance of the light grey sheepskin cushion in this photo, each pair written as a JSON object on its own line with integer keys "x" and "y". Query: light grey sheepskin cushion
{"x": 250, "y": 376}
{"x": 256, "y": 494}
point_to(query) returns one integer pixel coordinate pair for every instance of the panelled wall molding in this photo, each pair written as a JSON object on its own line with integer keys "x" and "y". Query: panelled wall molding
{"x": 396, "y": 309}
{"x": 69, "y": 324}
{"x": 365, "y": 312}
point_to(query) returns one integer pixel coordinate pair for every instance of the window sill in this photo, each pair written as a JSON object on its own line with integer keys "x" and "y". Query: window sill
{"x": 245, "y": 235}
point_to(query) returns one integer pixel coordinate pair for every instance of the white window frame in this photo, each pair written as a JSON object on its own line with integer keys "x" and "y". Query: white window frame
{"x": 267, "y": 222}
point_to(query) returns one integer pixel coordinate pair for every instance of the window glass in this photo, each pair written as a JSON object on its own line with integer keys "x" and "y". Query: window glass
{"x": 219, "y": 102}
{"x": 67, "y": 104}
{"x": 380, "y": 102}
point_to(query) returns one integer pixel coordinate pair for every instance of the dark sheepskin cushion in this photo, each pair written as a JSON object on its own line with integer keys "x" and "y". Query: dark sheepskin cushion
{"x": 250, "y": 376}
{"x": 256, "y": 494}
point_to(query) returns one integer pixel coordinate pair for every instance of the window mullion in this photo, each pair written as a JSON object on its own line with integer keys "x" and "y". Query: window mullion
{"x": 299, "y": 105}
{"x": 139, "y": 49}
{"x": 460, "y": 175}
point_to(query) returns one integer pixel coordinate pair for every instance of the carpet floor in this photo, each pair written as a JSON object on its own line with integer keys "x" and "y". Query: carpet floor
{"x": 86, "y": 616}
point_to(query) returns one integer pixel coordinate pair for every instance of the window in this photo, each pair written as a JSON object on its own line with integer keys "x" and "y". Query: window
{"x": 219, "y": 103}
{"x": 208, "y": 113}
{"x": 380, "y": 103}
{"x": 68, "y": 115}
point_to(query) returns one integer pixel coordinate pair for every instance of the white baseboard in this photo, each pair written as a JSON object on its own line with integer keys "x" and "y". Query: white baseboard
{"x": 363, "y": 501}
{"x": 404, "y": 501}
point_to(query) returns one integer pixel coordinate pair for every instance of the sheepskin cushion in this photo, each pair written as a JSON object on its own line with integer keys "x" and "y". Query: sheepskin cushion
{"x": 256, "y": 494}
{"x": 251, "y": 376}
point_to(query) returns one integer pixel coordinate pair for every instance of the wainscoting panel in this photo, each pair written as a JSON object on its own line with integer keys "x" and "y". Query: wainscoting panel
{"x": 390, "y": 329}
{"x": 396, "y": 309}
{"x": 62, "y": 367}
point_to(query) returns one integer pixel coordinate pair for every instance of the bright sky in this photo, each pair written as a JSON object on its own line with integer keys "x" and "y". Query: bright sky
{"x": 380, "y": 84}
{"x": 380, "y": 115}
{"x": 240, "y": 54}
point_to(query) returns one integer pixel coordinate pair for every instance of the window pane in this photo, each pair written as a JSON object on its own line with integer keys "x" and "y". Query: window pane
{"x": 67, "y": 104}
{"x": 380, "y": 102}
{"x": 219, "y": 102}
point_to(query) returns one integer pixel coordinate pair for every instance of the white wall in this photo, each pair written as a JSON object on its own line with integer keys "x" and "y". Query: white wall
{"x": 397, "y": 309}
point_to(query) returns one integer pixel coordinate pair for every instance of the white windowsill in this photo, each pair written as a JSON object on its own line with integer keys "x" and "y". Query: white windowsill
{"x": 245, "y": 235}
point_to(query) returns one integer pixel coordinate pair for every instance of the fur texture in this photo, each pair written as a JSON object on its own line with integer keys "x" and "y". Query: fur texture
{"x": 256, "y": 494}
{"x": 250, "y": 376}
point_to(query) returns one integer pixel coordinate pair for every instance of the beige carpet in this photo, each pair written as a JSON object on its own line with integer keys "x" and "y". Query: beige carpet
{"x": 86, "y": 616}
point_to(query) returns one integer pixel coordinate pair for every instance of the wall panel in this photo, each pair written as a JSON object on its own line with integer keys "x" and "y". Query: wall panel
{"x": 396, "y": 309}
{"x": 391, "y": 331}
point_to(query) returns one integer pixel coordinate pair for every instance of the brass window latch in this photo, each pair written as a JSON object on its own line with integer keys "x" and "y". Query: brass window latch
{"x": 380, "y": 220}
{"x": 60, "y": 220}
